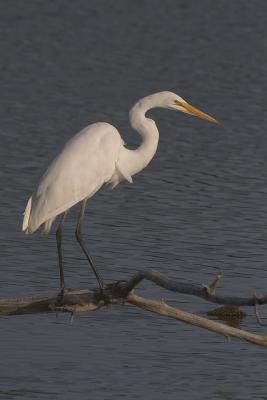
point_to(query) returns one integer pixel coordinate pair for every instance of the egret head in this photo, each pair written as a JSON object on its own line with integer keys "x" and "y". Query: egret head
{"x": 167, "y": 100}
{"x": 177, "y": 103}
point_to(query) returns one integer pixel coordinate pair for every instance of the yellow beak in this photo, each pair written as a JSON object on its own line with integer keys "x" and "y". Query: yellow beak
{"x": 194, "y": 111}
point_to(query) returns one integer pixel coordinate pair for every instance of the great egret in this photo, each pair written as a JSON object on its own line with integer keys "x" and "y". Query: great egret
{"x": 94, "y": 156}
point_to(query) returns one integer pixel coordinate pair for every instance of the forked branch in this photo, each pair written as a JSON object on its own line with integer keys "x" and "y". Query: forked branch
{"x": 122, "y": 292}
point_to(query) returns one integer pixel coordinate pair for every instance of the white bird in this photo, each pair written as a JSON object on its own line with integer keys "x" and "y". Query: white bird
{"x": 94, "y": 156}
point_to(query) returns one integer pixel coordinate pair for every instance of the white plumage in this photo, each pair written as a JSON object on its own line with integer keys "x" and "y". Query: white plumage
{"x": 94, "y": 156}
{"x": 86, "y": 162}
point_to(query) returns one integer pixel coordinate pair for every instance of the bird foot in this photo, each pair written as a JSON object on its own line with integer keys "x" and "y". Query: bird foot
{"x": 112, "y": 291}
{"x": 61, "y": 296}
{"x": 105, "y": 293}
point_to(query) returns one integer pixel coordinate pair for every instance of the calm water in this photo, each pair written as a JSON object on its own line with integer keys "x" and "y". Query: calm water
{"x": 200, "y": 206}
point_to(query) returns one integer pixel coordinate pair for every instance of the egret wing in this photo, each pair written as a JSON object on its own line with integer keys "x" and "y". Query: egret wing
{"x": 86, "y": 162}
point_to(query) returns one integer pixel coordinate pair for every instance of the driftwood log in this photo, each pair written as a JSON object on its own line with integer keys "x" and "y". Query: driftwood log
{"x": 121, "y": 292}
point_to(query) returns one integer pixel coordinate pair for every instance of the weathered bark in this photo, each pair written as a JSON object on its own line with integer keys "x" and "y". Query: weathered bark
{"x": 122, "y": 292}
{"x": 206, "y": 292}
{"x": 192, "y": 319}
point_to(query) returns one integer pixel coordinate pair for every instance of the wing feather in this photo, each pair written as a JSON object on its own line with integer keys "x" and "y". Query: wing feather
{"x": 86, "y": 162}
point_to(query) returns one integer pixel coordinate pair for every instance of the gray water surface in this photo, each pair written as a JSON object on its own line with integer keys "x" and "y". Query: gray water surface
{"x": 200, "y": 206}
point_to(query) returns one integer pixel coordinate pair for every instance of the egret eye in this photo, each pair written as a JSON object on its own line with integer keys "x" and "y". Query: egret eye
{"x": 178, "y": 103}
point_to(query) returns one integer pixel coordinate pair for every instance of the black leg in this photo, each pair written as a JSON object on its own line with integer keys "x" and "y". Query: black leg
{"x": 59, "y": 250}
{"x": 79, "y": 238}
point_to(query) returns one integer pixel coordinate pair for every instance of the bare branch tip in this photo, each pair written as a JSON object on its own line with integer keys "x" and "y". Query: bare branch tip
{"x": 211, "y": 288}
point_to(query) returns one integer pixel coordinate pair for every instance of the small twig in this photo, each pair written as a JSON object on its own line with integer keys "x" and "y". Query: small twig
{"x": 71, "y": 317}
{"x": 211, "y": 288}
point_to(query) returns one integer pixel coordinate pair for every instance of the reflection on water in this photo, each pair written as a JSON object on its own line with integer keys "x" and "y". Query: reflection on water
{"x": 198, "y": 208}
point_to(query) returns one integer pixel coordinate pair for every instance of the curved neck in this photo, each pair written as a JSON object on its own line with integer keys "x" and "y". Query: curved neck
{"x": 148, "y": 130}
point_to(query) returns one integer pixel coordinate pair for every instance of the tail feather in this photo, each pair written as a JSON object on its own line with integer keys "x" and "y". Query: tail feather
{"x": 27, "y": 214}
{"x": 46, "y": 226}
